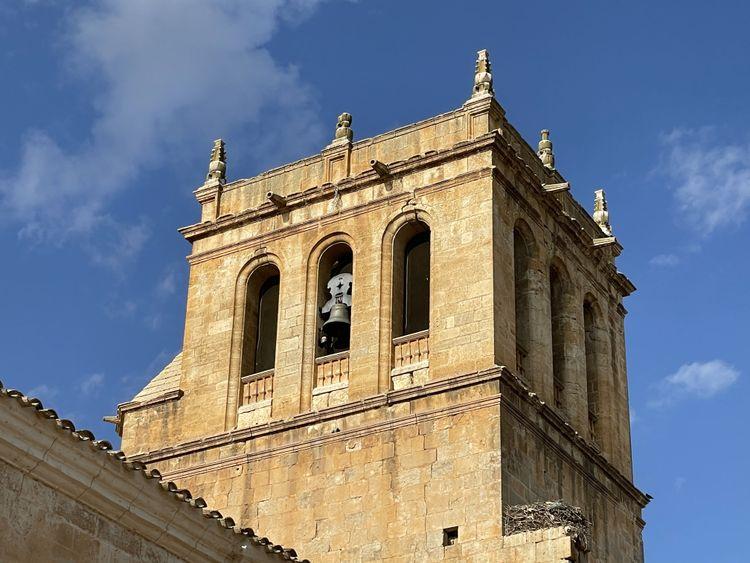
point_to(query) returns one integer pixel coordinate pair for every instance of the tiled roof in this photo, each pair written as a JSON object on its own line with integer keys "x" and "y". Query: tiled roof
{"x": 103, "y": 447}
{"x": 166, "y": 380}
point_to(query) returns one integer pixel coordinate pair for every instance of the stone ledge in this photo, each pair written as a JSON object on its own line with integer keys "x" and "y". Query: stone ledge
{"x": 411, "y": 367}
{"x": 250, "y": 407}
{"x": 329, "y": 388}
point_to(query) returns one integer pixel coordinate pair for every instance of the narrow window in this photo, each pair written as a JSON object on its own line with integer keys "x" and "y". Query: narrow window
{"x": 522, "y": 294}
{"x": 558, "y": 336}
{"x": 417, "y": 284}
{"x": 268, "y": 312}
{"x": 411, "y": 279}
{"x": 261, "y": 320}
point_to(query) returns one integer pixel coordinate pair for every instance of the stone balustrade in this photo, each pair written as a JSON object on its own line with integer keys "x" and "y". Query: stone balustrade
{"x": 411, "y": 355}
{"x": 332, "y": 369}
{"x": 257, "y": 387}
{"x": 411, "y": 349}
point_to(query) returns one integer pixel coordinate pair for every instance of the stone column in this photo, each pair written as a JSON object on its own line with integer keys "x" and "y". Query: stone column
{"x": 606, "y": 408}
{"x": 539, "y": 358}
{"x": 622, "y": 409}
{"x": 574, "y": 360}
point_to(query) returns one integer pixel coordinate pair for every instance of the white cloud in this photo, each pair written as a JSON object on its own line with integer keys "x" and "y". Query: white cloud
{"x": 698, "y": 380}
{"x": 170, "y": 77}
{"x": 92, "y": 383}
{"x": 167, "y": 285}
{"x": 710, "y": 179}
{"x": 665, "y": 260}
{"x": 43, "y": 392}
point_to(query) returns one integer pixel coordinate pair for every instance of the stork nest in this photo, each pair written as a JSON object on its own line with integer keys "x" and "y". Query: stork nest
{"x": 552, "y": 514}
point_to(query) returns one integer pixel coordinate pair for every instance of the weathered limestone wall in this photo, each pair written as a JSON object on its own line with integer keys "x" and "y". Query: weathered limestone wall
{"x": 542, "y": 459}
{"x": 550, "y": 545}
{"x": 378, "y": 484}
{"x": 38, "y": 523}
{"x": 435, "y": 134}
{"x": 407, "y": 456}
{"x": 588, "y": 273}
{"x": 454, "y": 198}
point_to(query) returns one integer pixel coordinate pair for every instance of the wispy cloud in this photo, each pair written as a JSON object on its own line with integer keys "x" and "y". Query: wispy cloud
{"x": 134, "y": 382}
{"x": 696, "y": 380}
{"x": 92, "y": 383}
{"x": 167, "y": 284}
{"x": 665, "y": 260}
{"x": 166, "y": 77}
{"x": 710, "y": 178}
{"x": 43, "y": 392}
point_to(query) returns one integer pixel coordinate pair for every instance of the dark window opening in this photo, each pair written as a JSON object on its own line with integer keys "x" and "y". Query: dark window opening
{"x": 450, "y": 536}
{"x": 335, "y": 299}
{"x": 268, "y": 312}
{"x": 417, "y": 284}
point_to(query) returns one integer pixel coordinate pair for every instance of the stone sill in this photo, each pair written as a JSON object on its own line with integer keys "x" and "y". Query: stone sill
{"x": 411, "y": 367}
{"x": 255, "y": 406}
{"x": 329, "y": 388}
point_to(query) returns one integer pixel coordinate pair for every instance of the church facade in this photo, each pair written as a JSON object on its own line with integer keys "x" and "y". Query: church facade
{"x": 391, "y": 344}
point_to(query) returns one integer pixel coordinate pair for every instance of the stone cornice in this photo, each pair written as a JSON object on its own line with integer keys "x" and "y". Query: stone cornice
{"x": 326, "y": 191}
{"x": 332, "y": 414}
{"x": 577, "y": 236}
{"x": 243, "y": 182}
{"x": 174, "y": 395}
{"x": 552, "y": 417}
{"x": 345, "y": 214}
{"x": 316, "y": 417}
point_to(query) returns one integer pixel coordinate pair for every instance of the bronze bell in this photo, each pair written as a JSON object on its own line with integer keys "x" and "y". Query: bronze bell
{"x": 337, "y": 325}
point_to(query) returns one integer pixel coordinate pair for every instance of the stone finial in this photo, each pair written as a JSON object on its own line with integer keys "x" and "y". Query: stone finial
{"x": 344, "y": 127}
{"x": 545, "y": 150}
{"x": 217, "y": 167}
{"x": 483, "y": 75}
{"x": 601, "y": 214}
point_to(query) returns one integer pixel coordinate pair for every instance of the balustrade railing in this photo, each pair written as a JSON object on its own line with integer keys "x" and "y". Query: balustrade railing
{"x": 332, "y": 369}
{"x": 257, "y": 387}
{"x": 411, "y": 349}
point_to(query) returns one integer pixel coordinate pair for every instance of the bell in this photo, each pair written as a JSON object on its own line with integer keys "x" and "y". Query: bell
{"x": 337, "y": 325}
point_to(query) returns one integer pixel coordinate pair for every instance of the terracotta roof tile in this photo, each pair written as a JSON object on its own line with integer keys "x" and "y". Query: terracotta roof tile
{"x": 169, "y": 488}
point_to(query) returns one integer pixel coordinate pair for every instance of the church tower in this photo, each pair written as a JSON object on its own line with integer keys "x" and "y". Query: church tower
{"x": 400, "y": 349}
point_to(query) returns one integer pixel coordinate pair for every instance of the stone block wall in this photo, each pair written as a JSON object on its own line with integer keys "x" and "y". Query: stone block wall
{"x": 309, "y": 463}
{"x": 38, "y": 523}
{"x": 545, "y": 459}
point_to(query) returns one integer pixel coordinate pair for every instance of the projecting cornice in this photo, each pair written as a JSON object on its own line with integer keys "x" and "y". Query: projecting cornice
{"x": 332, "y": 415}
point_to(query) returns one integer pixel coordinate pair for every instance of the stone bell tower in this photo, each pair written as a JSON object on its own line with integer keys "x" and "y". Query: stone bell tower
{"x": 395, "y": 346}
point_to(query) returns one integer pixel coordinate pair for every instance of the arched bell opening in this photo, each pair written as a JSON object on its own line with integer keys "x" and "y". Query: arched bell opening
{"x": 259, "y": 334}
{"x": 411, "y": 279}
{"x": 410, "y": 304}
{"x": 261, "y": 320}
{"x": 335, "y": 283}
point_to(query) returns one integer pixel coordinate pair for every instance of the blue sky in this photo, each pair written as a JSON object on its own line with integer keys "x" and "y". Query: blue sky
{"x": 108, "y": 114}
